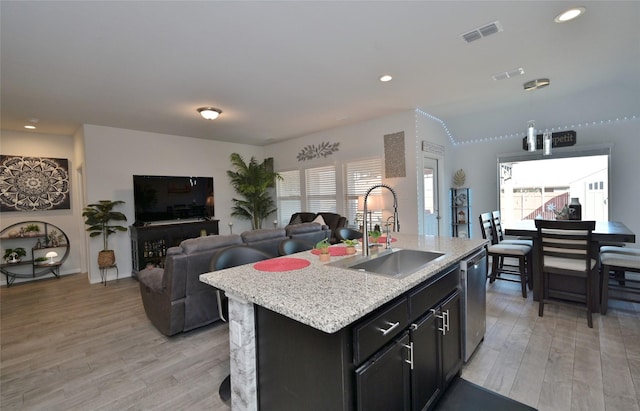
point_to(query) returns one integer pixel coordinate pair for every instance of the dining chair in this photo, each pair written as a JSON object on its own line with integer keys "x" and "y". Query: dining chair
{"x": 232, "y": 257}
{"x": 497, "y": 223}
{"x": 565, "y": 256}
{"x": 615, "y": 264}
{"x": 498, "y": 251}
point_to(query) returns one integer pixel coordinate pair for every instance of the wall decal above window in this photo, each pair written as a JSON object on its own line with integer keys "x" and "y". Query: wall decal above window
{"x": 323, "y": 150}
{"x": 34, "y": 183}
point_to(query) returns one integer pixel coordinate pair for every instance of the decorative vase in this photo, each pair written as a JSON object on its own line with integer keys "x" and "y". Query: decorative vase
{"x": 575, "y": 209}
{"x": 106, "y": 258}
{"x": 324, "y": 257}
{"x": 351, "y": 250}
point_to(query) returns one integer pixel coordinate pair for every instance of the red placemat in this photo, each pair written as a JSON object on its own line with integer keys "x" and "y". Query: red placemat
{"x": 334, "y": 251}
{"x": 281, "y": 264}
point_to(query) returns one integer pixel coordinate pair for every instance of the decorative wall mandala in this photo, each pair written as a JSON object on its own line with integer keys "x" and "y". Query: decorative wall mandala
{"x": 312, "y": 151}
{"x": 34, "y": 183}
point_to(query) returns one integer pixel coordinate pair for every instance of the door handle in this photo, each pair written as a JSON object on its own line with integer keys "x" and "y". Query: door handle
{"x": 443, "y": 318}
{"x": 410, "y": 348}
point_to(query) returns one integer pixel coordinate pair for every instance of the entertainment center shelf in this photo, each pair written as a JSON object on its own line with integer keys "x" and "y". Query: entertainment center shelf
{"x": 149, "y": 243}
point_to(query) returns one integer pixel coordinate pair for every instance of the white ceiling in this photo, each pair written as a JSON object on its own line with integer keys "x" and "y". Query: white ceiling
{"x": 280, "y": 70}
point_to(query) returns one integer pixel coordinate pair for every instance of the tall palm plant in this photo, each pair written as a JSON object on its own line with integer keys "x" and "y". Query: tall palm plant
{"x": 251, "y": 181}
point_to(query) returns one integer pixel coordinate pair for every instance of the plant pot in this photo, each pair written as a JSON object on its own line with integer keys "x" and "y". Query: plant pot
{"x": 324, "y": 257}
{"x": 106, "y": 258}
{"x": 351, "y": 250}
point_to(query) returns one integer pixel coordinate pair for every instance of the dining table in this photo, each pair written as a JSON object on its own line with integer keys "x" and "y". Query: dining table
{"x": 605, "y": 232}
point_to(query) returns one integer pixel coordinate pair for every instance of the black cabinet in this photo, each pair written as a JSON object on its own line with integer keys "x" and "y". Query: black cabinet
{"x": 149, "y": 244}
{"x": 383, "y": 383}
{"x": 400, "y": 357}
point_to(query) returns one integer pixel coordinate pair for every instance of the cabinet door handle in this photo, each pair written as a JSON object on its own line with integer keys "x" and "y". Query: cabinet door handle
{"x": 391, "y": 328}
{"x": 443, "y": 318}
{"x": 410, "y": 348}
{"x": 446, "y": 322}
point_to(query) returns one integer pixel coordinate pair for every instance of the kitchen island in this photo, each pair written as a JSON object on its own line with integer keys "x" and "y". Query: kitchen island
{"x": 320, "y": 307}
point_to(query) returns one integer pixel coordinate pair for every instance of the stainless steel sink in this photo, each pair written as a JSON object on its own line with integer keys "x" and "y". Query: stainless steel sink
{"x": 393, "y": 263}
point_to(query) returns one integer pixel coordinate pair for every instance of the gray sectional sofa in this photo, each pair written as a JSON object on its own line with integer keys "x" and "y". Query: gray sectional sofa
{"x": 173, "y": 297}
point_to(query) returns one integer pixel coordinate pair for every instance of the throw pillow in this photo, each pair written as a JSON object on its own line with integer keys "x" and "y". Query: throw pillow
{"x": 296, "y": 220}
{"x": 319, "y": 220}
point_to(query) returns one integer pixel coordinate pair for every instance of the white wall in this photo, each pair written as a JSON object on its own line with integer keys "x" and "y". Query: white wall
{"x": 114, "y": 155}
{"x": 361, "y": 141}
{"x": 69, "y": 221}
{"x": 479, "y": 162}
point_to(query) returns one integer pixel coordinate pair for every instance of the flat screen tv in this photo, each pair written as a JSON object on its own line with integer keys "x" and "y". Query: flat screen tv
{"x": 172, "y": 198}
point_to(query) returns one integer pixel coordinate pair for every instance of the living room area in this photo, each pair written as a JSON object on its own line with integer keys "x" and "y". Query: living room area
{"x": 74, "y": 343}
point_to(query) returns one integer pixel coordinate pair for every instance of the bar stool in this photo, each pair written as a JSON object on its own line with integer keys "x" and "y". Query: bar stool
{"x": 623, "y": 286}
{"x": 498, "y": 251}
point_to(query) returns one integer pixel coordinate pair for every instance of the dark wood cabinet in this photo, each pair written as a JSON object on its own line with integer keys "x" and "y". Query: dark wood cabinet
{"x": 149, "y": 244}
{"x": 396, "y": 358}
{"x": 383, "y": 383}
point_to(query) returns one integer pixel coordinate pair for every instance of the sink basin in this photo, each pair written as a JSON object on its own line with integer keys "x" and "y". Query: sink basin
{"x": 393, "y": 263}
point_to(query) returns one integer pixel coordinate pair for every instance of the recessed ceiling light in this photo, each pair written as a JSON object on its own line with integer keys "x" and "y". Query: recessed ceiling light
{"x": 385, "y": 78}
{"x": 30, "y": 127}
{"x": 569, "y": 14}
{"x": 209, "y": 113}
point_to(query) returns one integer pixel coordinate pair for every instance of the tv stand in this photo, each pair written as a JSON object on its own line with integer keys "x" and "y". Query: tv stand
{"x": 149, "y": 243}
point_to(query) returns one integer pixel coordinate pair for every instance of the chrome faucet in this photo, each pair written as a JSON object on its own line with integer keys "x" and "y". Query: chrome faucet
{"x": 396, "y": 222}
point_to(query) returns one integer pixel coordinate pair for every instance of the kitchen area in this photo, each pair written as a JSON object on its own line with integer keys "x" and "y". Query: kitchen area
{"x": 349, "y": 337}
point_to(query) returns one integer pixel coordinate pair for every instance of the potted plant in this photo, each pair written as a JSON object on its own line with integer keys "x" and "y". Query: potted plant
{"x": 251, "y": 181}
{"x": 13, "y": 255}
{"x": 374, "y": 235}
{"x": 351, "y": 246}
{"x": 32, "y": 230}
{"x": 323, "y": 247}
{"x": 98, "y": 217}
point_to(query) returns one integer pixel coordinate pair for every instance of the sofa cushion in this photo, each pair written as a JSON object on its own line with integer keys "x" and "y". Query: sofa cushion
{"x": 296, "y": 219}
{"x": 319, "y": 220}
{"x": 152, "y": 278}
{"x": 304, "y": 217}
{"x": 262, "y": 234}
{"x": 193, "y": 245}
{"x": 266, "y": 240}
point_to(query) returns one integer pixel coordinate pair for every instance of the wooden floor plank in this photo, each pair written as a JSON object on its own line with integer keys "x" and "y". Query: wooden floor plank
{"x": 68, "y": 345}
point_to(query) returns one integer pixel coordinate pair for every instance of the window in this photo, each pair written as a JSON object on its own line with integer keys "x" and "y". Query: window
{"x": 533, "y": 187}
{"x": 359, "y": 176}
{"x": 321, "y": 189}
{"x": 288, "y": 193}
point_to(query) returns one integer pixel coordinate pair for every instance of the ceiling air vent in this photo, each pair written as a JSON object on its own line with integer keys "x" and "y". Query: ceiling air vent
{"x": 480, "y": 32}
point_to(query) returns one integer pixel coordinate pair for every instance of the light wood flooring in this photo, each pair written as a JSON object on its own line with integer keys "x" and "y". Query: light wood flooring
{"x": 69, "y": 345}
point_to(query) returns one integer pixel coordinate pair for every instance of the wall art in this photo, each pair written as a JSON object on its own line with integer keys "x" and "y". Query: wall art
{"x": 323, "y": 150}
{"x": 394, "y": 158}
{"x": 34, "y": 183}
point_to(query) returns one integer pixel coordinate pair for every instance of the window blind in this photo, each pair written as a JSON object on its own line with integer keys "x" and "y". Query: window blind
{"x": 321, "y": 189}
{"x": 288, "y": 194}
{"x": 359, "y": 176}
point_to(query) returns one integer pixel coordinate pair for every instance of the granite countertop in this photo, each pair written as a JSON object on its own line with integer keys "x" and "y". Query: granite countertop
{"x": 329, "y": 298}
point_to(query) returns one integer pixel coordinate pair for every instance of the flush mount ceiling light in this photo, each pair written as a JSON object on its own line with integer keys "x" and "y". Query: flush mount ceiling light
{"x": 33, "y": 122}
{"x": 386, "y": 78}
{"x": 536, "y": 84}
{"x": 569, "y": 14}
{"x": 209, "y": 113}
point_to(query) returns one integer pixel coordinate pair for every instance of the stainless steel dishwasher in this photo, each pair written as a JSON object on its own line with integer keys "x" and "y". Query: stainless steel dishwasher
{"x": 473, "y": 279}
